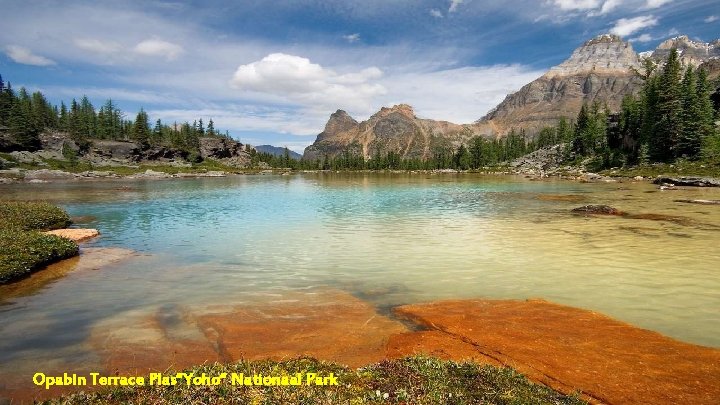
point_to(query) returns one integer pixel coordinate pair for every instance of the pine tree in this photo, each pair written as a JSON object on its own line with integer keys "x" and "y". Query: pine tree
{"x": 708, "y": 131}
{"x": 21, "y": 122}
{"x": 579, "y": 146}
{"x": 141, "y": 129}
{"x": 6, "y": 101}
{"x": 668, "y": 124}
{"x": 211, "y": 128}
{"x": 690, "y": 138}
{"x": 157, "y": 133}
{"x": 63, "y": 118}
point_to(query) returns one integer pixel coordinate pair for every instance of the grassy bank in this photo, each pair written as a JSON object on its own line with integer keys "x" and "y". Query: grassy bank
{"x": 83, "y": 166}
{"x": 679, "y": 168}
{"x": 22, "y": 248}
{"x": 415, "y": 380}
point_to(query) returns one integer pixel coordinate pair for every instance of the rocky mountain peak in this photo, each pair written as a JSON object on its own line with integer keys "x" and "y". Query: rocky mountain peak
{"x": 403, "y": 109}
{"x": 691, "y": 52}
{"x": 340, "y": 121}
{"x": 603, "y": 39}
{"x": 603, "y": 54}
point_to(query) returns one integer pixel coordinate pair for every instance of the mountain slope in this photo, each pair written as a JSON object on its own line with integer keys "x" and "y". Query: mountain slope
{"x": 603, "y": 69}
{"x": 277, "y": 151}
{"x": 395, "y": 129}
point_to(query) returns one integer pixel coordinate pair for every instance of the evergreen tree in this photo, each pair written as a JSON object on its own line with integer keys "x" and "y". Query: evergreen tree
{"x": 157, "y": 133}
{"x": 582, "y": 125}
{"x": 211, "y": 128}
{"x": 21, "y": 122}
{"x": 7, "y": 97}
{"x": 630, "y": 128}
{"x": 141, "y": 129}
{"x": 668, "y": 123}
{"x": 462, "y": 158}
{"x": 63, "y": 117}
{"x": 690, "y": 138}
{"x": 706, "y": 123}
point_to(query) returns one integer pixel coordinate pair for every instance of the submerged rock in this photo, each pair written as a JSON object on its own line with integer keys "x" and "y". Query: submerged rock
{"x": 569, "y": 349}
{"x": 74, "y": 234}
{"x": 703, "y": 202}
{"x": 688, "y": 181}
{"x": 597, "y": 210}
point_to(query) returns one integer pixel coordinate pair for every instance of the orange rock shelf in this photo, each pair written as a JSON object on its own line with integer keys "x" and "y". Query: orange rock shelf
{"x": 568, "y": 349}
{"x": 573, "y": 349}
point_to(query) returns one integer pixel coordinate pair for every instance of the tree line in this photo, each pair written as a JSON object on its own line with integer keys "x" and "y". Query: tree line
{"x": 672, "y": 117}
{"x": 26, "y": 115}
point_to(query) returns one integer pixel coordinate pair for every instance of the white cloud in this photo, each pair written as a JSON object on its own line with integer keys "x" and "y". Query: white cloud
{"x": 297, "y": 80}
{"x": 436, "y": 13}
{"x": 577, "y": 4}
{"x": 98, "y": 46}
{"x": 25, "y": 56}
{"x": 158, "y": 47}
{"x": 627, "y": 26}
{"x": 460, "y": 95}
{"x": 643, "y": 38}
{"x": 610, "y": 5}
{"x": 454, "y": 4}
{"x": 352, "y": 37}
{"x": 656, "y": 3}
{"x": 711, "y": 18}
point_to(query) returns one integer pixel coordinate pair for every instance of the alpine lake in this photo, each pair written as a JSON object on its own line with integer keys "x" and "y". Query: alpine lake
{"x": 387, "y": 239}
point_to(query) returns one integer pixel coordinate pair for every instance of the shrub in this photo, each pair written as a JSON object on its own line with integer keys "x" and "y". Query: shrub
{"x": 22, "y": 252}
{"x": 26, "y": 216}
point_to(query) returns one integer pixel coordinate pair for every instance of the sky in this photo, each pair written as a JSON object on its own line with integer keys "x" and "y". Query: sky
{"x": 271, "y": 72}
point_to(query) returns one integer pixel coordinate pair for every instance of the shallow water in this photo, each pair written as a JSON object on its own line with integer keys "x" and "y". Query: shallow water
{"x": 386, "y": 238}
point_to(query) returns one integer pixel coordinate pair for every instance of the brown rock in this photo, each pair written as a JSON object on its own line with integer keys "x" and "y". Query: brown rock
{"x": 331, "y": 325}
{"x": 74, "y": 234}
{"x": 597, "y": 210}
{"x": 89, "y": 259}
{"x": 328, "y": 325}
{"x": 702, "y": 202}
{"x": 573, "y": 349}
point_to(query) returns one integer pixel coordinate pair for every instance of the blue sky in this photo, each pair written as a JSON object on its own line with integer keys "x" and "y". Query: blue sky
{"x": 273, "y": 71}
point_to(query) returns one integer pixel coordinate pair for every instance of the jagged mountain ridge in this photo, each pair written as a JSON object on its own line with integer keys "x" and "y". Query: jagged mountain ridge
{"x": 691, "y": 52}
{"x": 390, "y": 129}
{"x": 604, "y": 68}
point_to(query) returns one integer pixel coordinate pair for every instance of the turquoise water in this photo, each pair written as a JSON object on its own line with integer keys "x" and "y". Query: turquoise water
{"x": 389, "y": 239}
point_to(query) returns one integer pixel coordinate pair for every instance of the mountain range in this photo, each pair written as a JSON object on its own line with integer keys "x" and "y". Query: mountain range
{"x": 605, "y": 68}
{"x": 277, "y": 151}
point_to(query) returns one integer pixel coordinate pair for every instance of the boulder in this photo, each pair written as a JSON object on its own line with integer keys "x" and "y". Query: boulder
{"x": 116, "y": 150}
{"x": 702, "y": 202}
{"x": 597, "y": 210}
{"x": 688, "y": 181}
{"x": 75, "y": 235}
{"x": 219, "y": 148}
{"x": 56, "y": 141}
{"x": 161, "y": 153}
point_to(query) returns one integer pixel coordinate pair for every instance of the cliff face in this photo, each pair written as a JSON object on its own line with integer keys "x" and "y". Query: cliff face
{"x": 603, "y": 68}
{"x": 395, "y": 129}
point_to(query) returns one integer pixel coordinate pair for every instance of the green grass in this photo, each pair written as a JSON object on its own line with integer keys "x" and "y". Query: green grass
{"x": 82, "y": 166}
{"x": 414, "y": 380}
{"x": 27, "y": 215}
{"x": 23, "y": 252}
{"x": 679, "y": 168}
{"x": 23, "y": 249}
